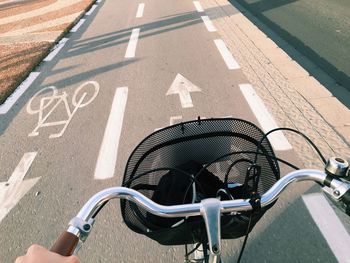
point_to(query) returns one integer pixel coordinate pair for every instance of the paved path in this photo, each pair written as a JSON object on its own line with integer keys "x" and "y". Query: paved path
{"x": 108, "y": 85}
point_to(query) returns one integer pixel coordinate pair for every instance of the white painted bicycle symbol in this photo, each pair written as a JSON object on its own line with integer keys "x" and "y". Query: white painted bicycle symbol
{"x": 82, "y": 97}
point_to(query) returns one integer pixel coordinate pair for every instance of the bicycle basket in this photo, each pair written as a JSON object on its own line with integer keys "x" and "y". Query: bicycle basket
{"x": 172, "y": 156}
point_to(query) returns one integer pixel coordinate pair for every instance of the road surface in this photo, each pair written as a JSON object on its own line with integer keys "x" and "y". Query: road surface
{"x": 126, "y": 60}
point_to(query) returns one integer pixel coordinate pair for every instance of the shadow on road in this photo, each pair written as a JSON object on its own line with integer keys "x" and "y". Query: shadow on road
{"x": 48, "y": 69}
{"x": 78, "y": 47}
{"x": 336, "y": 81}
{"x": 290, "y": 237}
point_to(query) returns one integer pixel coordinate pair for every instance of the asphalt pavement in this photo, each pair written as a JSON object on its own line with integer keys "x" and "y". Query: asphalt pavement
{"x": 125, "y": 60}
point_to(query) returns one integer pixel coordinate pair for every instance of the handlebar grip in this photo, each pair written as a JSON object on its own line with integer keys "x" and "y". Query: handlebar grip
{"x": 65, "y": 244}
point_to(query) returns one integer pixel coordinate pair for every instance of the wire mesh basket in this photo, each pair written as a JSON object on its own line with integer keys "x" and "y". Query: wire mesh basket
{"x": 179, "y": 161}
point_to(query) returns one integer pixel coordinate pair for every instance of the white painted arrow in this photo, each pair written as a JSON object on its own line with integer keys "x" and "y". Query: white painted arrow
{"x": 183, "y": 87}
{"x": 15, "y": 188}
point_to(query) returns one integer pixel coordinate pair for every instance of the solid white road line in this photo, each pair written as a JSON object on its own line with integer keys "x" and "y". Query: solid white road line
{"x": 107, "y": 158}
{"x": 78, "y": 25}
{"x": 330, "y": 226}
{"x": 226, "y": 54}
{"x": 92, "y": 9}
{"x": 198, "y": 6}
{"x": 140, "y": 10}
{"x": 15, "y": 188}
{"x": 267, "y": 122}
{"x": 56, "y": 49}
{"x": 130, "y": 51}
{"x": 4, "y": 108}
{"x": 208, "y": 24}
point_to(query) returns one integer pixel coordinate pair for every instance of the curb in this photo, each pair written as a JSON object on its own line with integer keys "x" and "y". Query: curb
{"x": 272, "y": 72}
{"x": 316, "y": 94}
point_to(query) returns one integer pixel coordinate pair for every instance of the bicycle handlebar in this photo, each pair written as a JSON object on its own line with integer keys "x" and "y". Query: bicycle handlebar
{"x": 81, "y": 225}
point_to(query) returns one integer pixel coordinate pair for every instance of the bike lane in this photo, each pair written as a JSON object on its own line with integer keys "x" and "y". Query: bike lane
{"x": 177, "y": 43}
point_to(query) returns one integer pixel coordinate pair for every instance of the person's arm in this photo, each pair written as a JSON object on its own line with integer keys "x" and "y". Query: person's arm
{"x": 39, "y": 254}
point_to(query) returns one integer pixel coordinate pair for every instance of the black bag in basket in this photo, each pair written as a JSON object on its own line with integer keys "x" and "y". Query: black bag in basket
{"x": 163, "y": 165}
{"x": 176, "y": 188}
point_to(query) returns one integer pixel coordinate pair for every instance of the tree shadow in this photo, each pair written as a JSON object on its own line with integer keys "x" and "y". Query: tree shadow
{"x": 77, "y": 47}
{"x": 15, "y": 4}
{"x": 48, "y": 69}
{"x": 146, "y": 30}
{"x": 266, "y": 5}
{"x": 290, "y": 237}
{"x": 333, "y": 78}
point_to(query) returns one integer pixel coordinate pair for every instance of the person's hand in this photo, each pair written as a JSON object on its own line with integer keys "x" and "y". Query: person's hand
{"x": 38, "y": 254}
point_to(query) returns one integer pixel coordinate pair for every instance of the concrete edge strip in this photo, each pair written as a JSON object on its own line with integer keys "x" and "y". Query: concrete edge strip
{"x": 323, "y": 110}
{"x": 222, "y": 5}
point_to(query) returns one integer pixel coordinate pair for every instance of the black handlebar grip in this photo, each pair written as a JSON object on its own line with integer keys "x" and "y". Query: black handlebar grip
{"x": 65, "y": 244}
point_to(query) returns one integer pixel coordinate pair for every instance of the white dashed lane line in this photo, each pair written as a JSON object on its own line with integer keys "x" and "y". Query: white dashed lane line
{"x": 208, "y": 24}
{"x": 4, "y": 108}
{"x": 107, "y": 157}
{"x": 78, "y": 25}
{"x": 131, "y": 50}
{"x": 330, "y": 226}
{"x": 140, "y": 10}
{"x": 267, "y": 122}
{"x": 92, "y": 9}
{"x": 56, "y": 49}
{"x": 198, "y": 6}
{"x": 226, "y": 54}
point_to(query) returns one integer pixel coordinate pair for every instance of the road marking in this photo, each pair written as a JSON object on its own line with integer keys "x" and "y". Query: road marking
{"x": 267, "y": 122}
{"x": 56, "y": 49}
{"x": 329, "y": 224}
{"x": 140, "y": 10}
{"x": 78, "y": 25}
{"x": 92, "y": 9}
{"x": 46, "y": 106}
{"x": 98, "y": 1}
{"x": 174, "y": 119}
{"x": 4, "y": 108}
{"x": 130, "y": 51}
{"x": 198, "y": 6}
{"x": 15, "y": 188}
{"x": 208, "y": 24}
{"x": 107, "y": 158}
{"x": 183, "y": 87}
{"x": 226, "y": 54}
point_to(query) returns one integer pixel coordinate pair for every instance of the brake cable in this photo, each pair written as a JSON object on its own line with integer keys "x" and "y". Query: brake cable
{"x": 297, "y": 132}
